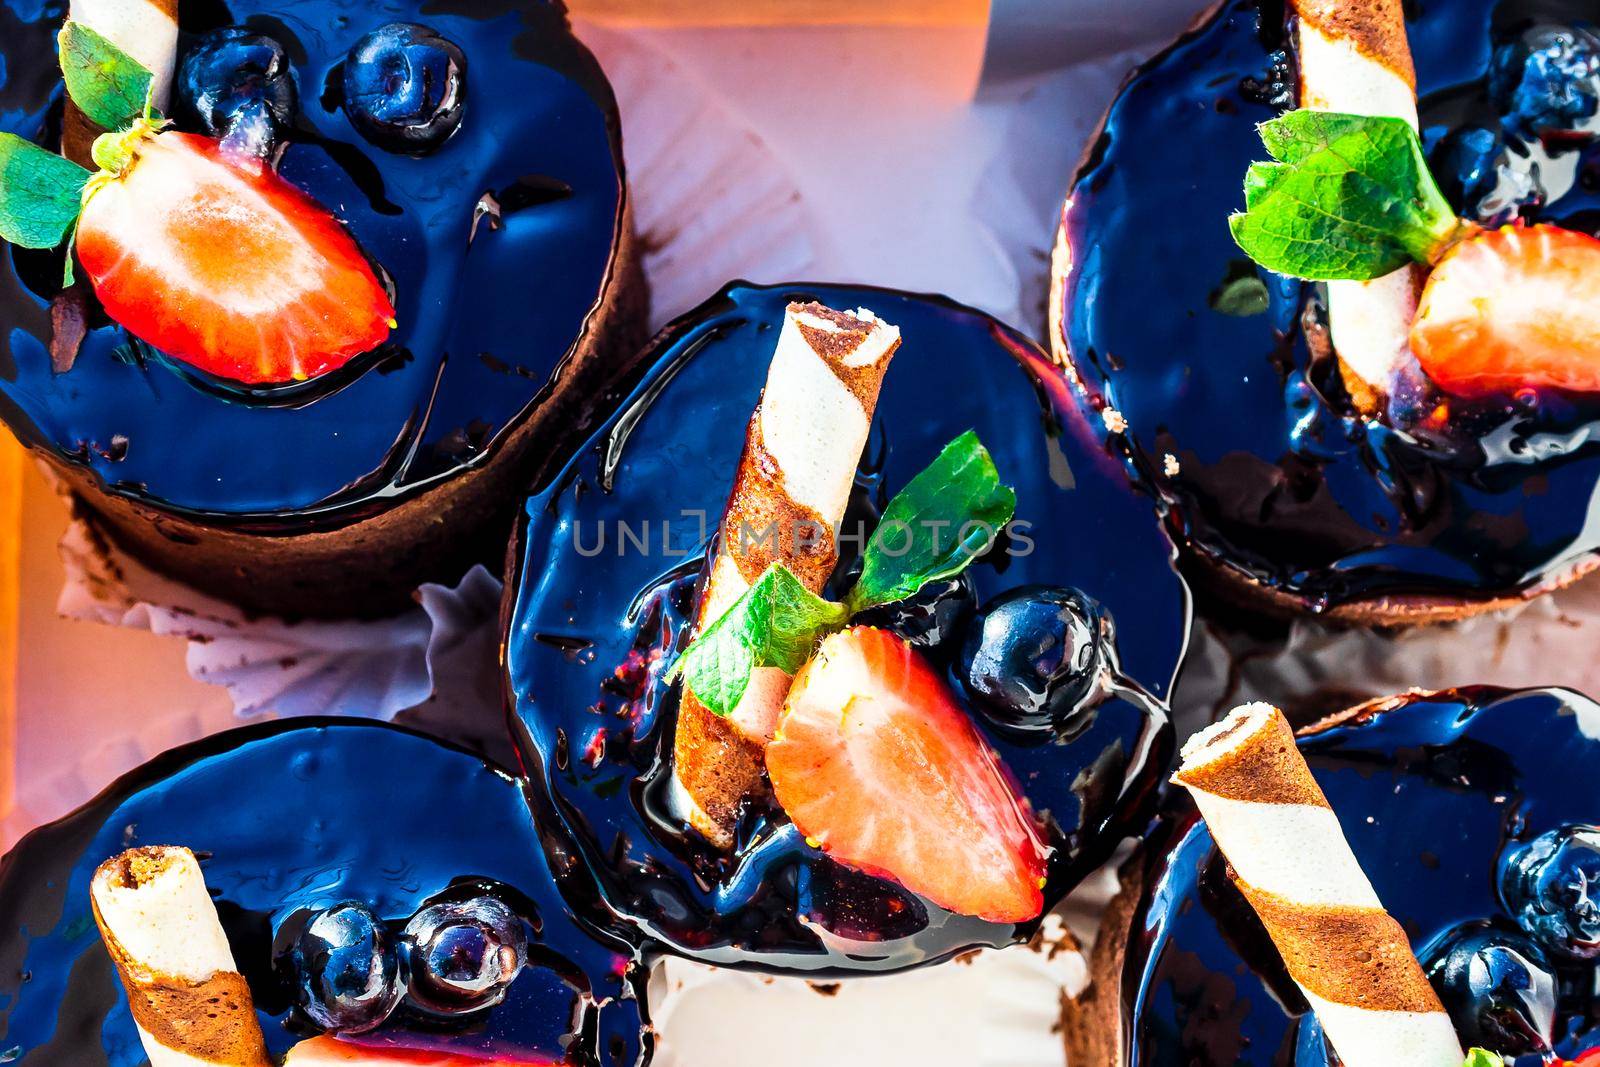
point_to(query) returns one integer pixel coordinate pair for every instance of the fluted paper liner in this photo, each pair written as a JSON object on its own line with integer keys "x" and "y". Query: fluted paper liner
{"x": 189, "y": 1001}
{"x": 1289, "y": 858}
{"x": 801, "y": 451}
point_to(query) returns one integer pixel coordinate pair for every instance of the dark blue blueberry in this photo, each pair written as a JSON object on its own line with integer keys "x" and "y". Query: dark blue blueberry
{"x": 235, "y": 82}
{"x": 1548, "y": 81}
{"x": 1034, "y": 657}
{"x": 1497, "y": 987}
{"x": 463, "y": 956}
{"x": 404, "y": 87}
{"x": 933, "y": 620}
{"x": 345, "y": 971}
{"x": 1551, "y": 885}
{"x": 1466, "y": 163}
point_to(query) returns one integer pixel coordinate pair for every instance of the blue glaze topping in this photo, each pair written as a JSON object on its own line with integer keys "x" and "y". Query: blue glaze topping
{"x": 488, "y": 309}
{"x": 1431, "y": 794}
{"x": 289, "y": 819}
{"x": 599, "y": 614}
{"x": 1276, "y": 479}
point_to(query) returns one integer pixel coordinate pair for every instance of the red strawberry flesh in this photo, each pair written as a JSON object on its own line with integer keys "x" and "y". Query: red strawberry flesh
{"x": 1511, "y": 309}
{"x": 217, "y": 261}
{"x": 876, "y": 762}
{"x": 321, "y": 1051}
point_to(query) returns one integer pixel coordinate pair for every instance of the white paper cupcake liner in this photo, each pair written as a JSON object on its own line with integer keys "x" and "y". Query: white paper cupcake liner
{"x": 1549, "y": 641}
{"x": 711, "y": 204}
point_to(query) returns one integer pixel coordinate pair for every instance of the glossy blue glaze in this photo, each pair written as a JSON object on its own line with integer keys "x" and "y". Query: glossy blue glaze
{"x": 487, "y": 313}
{"x": 1430, "y": 795}
{"x": 1275, "y": 479}
{"x": 596, "y": 623}
{"x": 289, "y": 817}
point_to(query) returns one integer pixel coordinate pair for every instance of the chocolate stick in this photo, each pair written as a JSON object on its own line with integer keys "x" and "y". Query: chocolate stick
{"x": 1354, "y": 58}
{"x": 800, "y": 456}
{"x": 1291, "y": 861}
{"x": 189, "y": 1001}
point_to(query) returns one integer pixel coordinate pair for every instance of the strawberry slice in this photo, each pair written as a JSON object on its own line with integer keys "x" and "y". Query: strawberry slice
{"x": 1513, "y": 308}
{"x": 323, "y": 1051}
{"x": 874, "y": 760}
{"x": 217, "y": 261}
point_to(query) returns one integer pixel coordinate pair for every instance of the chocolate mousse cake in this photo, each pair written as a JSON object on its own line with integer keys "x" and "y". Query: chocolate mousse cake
{"x": 832, "y": 527}
{"x": 334, "y": 281}
{"x": 1405, "y": 882}
{"x": 1380, "y": 409}
{"x": 329, "y": 912}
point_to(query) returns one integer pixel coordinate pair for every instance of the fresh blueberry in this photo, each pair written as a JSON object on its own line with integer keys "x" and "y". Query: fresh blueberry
{"x": 404, "y": 87}
{"x": 1552, "y": 886}
{"x": 1034, "y": 656}
{"x": 463, "y": 956}
{"x": 933, "y": 619}
{"x": 1466, "y": 162}
{"x": 1547, "y": 81}
{"x": 235, "y": 83}
{"x": 1497, "y": 987}
{"x": 345, "y": 970}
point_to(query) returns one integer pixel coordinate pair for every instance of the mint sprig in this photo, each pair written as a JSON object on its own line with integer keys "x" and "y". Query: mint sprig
{"x": 108, "y": 85}
{"x": 776, "y": 623}
{"x": 41, "y": 193}
{"x": 933, "y": 528}
{"x": 1349, "y": 197}
{"x": 942, "y": 520}
{"x": 1482, "y": 1057}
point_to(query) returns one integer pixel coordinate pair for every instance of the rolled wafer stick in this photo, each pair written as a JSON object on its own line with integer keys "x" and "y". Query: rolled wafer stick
{"x": 800, "y": 456}
{"x": 145, "y": 29}
{"x": 189, "y": 1001}
{"x": 1291, "y": 861}
{"x": 1354, "y": 58}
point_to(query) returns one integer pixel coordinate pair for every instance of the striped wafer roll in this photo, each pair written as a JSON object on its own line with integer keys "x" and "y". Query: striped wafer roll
{"x": 800, "y": 456}
{"x": 189, "y": 1001}
{"x": 145, "y": 29}
{"x": 1291, "y": 861}
{"x": 1354, "y": 58}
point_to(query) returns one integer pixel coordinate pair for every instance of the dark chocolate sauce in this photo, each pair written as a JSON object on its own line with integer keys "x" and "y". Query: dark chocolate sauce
{"x": 488, "y": 309}
{"x": 1429, "y": 795}
{"x": 598, "y": 618}
{"x": 1276, "y": 478}
{"x": 286, "y": 817}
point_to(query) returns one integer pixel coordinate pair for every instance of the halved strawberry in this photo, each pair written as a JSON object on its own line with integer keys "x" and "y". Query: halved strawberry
{"x": 1512, "y": 308}
{"x": 321, "y": 1051}
{"x": 217, "y": 261}
{"x": 874, "y": 760}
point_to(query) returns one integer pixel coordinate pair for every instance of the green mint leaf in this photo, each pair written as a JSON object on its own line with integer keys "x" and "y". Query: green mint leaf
{"x": 1350, "y": 197}
{"x": 776, "y": 623}
{"x": 1242, "y": 293}
{"x": 1482, "y": 1057}
{"x": 40, "y": 193}
{"x": 942, "y": 520}
{"x": 107, "y": 84}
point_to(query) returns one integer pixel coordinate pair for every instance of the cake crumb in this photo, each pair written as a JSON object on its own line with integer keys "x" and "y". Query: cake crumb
{"x": 1169, "y": 464}
{"x": 1114, "y": 420}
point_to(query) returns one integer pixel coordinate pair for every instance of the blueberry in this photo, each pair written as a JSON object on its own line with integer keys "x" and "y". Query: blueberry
{"x": 1547, "y": 81}
{"x": 1551, "y": 885}
{"x": 1497, "y": 987}
{"x": 463, "y": 956}
{"x": 933, "y": 620}
{"x": 404, "y": 87}
{"x": 1034, "y": 656}
{"x": 1466, "y": 162}
{"x": 235, "y": 82}
{"x": 345, "y": 971}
